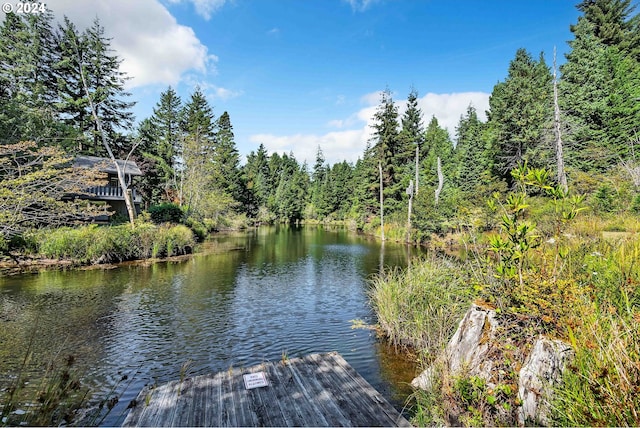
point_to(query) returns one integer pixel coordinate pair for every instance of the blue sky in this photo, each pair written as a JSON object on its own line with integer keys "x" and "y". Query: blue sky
{"x": 295, "y": 74}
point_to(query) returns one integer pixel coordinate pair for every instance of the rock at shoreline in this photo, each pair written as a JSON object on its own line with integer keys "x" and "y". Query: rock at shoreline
{"x": 539, "y": 373}
{"x": 471, "y": 352}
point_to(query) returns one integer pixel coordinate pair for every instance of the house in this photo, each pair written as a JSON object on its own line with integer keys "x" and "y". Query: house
{"x": 111, "y": 193}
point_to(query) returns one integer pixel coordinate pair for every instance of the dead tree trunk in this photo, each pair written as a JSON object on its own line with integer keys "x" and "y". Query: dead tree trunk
{"x": 126, "y": 194}
{"x": 562, "y": 176}
{"x": 440, "y": 181}
{"x": 410, "y": 193}
{"x": 417, "y": 169}
{"x": 381, "y": 204}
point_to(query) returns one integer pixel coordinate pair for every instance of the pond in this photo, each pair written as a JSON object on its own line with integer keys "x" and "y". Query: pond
{"x": 249, "y": 297}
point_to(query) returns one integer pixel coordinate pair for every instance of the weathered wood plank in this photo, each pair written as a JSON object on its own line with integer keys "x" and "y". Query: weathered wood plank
{"x": 356, "y": 387}
{"x": 317, "y": 390}
{"x": 316, "y": 393}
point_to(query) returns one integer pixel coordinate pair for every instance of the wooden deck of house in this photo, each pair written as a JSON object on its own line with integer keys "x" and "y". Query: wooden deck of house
{"x": 317, "y": 390}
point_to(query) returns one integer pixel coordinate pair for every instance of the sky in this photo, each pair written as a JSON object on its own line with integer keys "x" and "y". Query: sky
{"x": 298, "y": 74}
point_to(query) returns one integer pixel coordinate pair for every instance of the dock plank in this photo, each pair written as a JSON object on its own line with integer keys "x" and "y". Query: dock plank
{"x": 317, "y": 390}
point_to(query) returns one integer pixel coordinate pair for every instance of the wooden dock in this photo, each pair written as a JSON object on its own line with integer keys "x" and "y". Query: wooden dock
{"x": 317, "y": 390}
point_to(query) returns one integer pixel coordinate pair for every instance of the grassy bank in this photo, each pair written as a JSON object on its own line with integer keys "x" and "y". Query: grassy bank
{"x": 546, "y": 270}
{"x": 94, "y": 244}
{"x": 420, "y": 307}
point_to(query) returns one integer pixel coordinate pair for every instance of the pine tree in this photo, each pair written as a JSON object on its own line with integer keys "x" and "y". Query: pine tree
{"x": 386, "y": 150}
{"x": 198, "y": 128}
{"x": 91, "y": 52}
{"x": 470, "y": 153}
{"x": 600, "y": 86}
{"x": 28, "y": 85}
{"x": 521, "y": 111}
{"x": 412, "y": 132}
{"x": 226, "y": 158}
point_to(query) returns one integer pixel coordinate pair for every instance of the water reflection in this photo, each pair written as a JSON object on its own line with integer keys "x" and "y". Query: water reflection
{"x": 253, "y": 297}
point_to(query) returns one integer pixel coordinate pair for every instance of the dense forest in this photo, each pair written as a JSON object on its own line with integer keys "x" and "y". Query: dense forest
{"x": 579, "y": 121}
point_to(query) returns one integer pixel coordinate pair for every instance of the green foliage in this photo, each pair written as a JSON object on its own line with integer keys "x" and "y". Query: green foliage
{"x": 420, "y": 307}
{"x": 95, "y": 244}
{"x": 601, "y": 386}
{"x": 604, "y": 199}
{"x": 520, "y": 109}
{"x": 91, "y": 52}
{"x": 38, "y": 187}
{"x": 166, "y": 213}
{"x": 601, "y": 85}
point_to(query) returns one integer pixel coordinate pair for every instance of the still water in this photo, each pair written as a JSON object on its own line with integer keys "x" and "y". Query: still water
{"x": 250, "y": 297}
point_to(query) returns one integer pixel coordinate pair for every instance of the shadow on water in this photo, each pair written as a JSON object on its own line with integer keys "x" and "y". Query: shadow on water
{"x": 249, "y": 297}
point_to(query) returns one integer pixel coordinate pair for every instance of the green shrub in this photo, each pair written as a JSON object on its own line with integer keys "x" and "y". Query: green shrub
{"x": 166, "y": 213}
{"x": 421, "y": 307}
{"x": 172, "y": 241}
{"x": 109, "y": 244}
{"x": 198, "y": 228}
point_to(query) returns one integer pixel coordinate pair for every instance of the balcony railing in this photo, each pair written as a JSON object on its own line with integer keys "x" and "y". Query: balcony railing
{"x": 113, "y": 193}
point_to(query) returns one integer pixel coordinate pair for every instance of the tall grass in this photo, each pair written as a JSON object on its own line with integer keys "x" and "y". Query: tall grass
{"x": 52, "y": 401}
{"x": 547, "y": 271}
{"x": 421, "y": 306}
{"x": 107, "y": 244}
{"x": 602, "y": 385}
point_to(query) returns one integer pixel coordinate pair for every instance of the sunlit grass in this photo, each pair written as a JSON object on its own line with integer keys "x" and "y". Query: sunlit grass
{"x": 108, "y": 244}
{"x": 421, "y": 307}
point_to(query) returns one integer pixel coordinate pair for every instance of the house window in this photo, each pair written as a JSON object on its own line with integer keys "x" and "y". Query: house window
{"x": 113, "y": 181}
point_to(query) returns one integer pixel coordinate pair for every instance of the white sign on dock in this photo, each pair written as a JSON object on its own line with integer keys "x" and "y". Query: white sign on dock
{"x": 255, "y": 380}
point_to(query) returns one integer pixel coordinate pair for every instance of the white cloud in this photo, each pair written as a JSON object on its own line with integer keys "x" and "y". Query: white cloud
{"x": 336, "y": 146}
{"x": 214, "y": 92}
{"x": 204, "y": 8}
{"x": 448, "y": 108}
{"x": 350, "y": 144}
{"x": 360, "y": 5}
{"x": 155, "y": 49}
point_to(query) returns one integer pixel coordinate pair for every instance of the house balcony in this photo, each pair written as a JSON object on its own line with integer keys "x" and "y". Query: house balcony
{"x": 112, "y": 193}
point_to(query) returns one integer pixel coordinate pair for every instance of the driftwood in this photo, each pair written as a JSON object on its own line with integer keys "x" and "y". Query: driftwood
{"x": 562, "y": 176}
{"x": 440, "y": 180}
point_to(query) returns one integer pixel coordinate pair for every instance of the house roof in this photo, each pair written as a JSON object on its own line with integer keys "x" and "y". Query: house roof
{"x": 106, "y": 165}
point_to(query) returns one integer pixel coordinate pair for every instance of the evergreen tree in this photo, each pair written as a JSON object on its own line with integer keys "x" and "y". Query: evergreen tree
{"x": 320, "y": 186}
{"x": 613, "y": 24}
{"x": 165, "y": 137}
{"x": 166, "y": 120}
{"x": 386, "y": 150}
{"x": 226, "y": 160}
{"x": 289, "y": 199}
{"x": 152, "y": 184}
{"x": 600, "y": 86}
{"x": 470, "y": 153}
{"x": 437, "y": 144}
{"x": 254, "y": 178}
{"x": 28, "y": 85}
{"x": 342, "y": 188}
{"x": 520, "y": 112}
{"x": 196, "y": 181}
{"x": 91, "y": 53}
{"x": 412, "y": 132}
{"x": 365, "y": 188}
